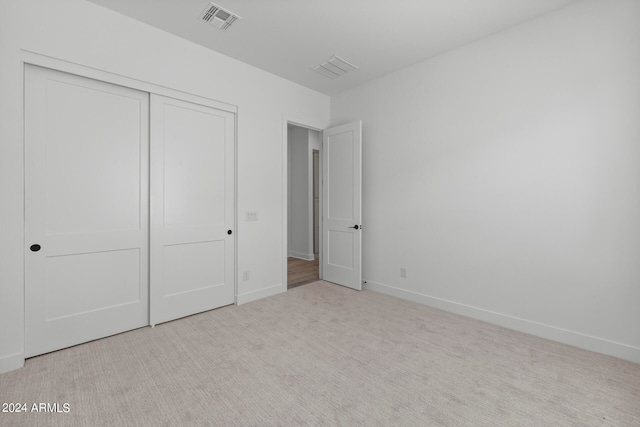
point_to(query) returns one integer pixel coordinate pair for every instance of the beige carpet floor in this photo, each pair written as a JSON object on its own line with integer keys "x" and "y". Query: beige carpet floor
{"x": 322, "y": 354}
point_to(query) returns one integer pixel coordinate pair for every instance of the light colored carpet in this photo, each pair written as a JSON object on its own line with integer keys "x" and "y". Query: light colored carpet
{"x": 322, "y": 354}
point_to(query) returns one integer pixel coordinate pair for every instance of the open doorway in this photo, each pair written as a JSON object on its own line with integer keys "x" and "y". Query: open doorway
{"x": 303, "y": 205}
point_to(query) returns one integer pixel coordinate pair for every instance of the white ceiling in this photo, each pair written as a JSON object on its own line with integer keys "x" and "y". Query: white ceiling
{"x": 289, "y": 37}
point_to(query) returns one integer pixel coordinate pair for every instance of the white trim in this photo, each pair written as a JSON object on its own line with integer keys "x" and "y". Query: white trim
{"x": 576, "y": 339}
{"x": 285, "y": 199}
{"x": 34, "y": 58}
{"x": 300, "y": 255}
{"x": 261, "y": 293}
{"x": 236, "y": 213}
{"x": 11, "y": 362}
{"x": 313, "y": 176}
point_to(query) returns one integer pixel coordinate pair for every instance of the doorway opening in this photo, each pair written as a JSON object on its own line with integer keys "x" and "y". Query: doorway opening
{"x": 303, "y": 205}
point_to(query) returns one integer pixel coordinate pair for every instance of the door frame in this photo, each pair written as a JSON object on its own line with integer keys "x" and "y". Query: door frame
{"x": 286, "y": 121}
{"x": 33, "y": 58}
{"x": 315, "y": 216}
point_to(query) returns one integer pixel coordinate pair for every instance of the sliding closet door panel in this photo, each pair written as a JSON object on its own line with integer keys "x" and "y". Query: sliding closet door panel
{"x": 86, "y": 206}
{"x": 192, "y": 193}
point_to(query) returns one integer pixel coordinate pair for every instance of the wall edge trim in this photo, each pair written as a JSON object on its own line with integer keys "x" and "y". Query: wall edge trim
{"x": 261, "y": 293}
{"x": 302, "y": 256}
{"x": 553, "y": 333}
{"x": 11, "y": 362}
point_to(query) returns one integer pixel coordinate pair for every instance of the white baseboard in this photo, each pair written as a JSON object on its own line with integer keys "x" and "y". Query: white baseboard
{"x": 300, "y": 255}
{"x": 576, "y": 339}
{"x": 11, "y": 362}
{"x": 260, "y": 293}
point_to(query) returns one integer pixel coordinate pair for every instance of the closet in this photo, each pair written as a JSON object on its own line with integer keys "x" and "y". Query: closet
{"x": 129, "y": 208}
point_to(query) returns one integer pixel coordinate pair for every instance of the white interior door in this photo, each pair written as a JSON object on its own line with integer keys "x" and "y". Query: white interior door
{"x": 86, "y": 210}
{"x": 192, "y": 208}
{"x": 342, "y": 205}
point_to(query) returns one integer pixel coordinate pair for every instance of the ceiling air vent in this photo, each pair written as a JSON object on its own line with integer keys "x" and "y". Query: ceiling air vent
{"x": 218, "y": 17}
{"x": 334, "y": 67}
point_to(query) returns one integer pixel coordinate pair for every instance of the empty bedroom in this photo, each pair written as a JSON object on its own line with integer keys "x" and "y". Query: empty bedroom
{"x": 274, "y": 213}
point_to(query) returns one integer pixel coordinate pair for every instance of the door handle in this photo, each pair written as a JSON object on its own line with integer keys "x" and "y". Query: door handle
{"x": 355, "y": 226}
{"x": 35, "y": 248}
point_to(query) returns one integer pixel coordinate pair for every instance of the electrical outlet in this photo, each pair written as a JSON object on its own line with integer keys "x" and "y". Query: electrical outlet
{"x": 403, "y": 272}
{"x": 245, "y": 275}
{"x": 252, "y": 216}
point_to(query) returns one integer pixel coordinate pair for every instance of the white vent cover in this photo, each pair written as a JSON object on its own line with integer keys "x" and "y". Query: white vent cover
{"x": 334, "y": 67}
{"x": 218, "y": 16}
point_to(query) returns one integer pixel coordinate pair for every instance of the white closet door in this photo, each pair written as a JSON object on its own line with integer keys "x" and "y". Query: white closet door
{"x": 86, "y": 209}
{"x": 192, "y": 208}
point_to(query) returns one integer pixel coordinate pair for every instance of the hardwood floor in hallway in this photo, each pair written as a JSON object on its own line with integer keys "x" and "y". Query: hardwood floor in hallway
{"x": 302, "y": 272}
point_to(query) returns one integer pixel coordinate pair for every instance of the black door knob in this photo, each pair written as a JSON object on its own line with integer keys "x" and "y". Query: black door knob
{"x": 229, "y": 232}
{"x": 355, "y": 226}
{"x": 35, "y": 248}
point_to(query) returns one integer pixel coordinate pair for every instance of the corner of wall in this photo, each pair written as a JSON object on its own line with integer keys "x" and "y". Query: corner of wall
{"x": 11, "y": 362}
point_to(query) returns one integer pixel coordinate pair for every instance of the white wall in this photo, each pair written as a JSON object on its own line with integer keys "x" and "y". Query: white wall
{"x": 505, "y": 176}
{"x": 86, "y": 34}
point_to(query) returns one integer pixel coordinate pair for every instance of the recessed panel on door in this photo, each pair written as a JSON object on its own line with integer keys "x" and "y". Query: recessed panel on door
{"x": 194, "y": 167}
{"x": 85, "y": 283}
{"x": 190, "y": 267}
{"x": 86, "y": 207}
{"x": 340, "y": 185}
{"x": 340, "y": 248}
{"x": 93, "y": 156}
{"x": 192, "y": 220}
